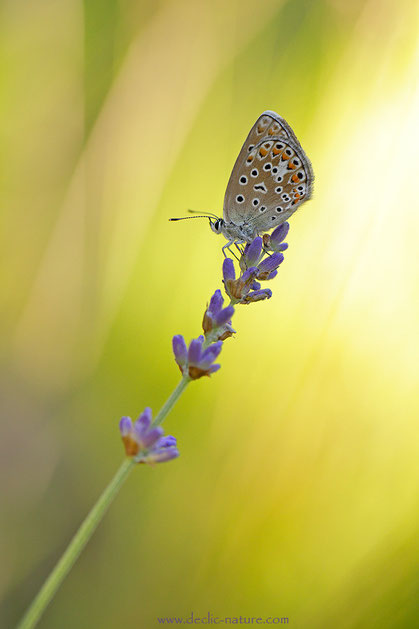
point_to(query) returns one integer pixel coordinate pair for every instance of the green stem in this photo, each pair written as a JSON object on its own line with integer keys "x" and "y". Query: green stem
{"x": 171, "y": 401}
{"x": 88, "y": 527}
{"x": 75, "y": 547}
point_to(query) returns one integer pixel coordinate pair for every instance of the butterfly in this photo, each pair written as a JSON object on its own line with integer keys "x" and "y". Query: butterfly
{"x": 271, "y": 178}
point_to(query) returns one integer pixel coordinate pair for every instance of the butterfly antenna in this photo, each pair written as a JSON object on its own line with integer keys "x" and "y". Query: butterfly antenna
{"x": 207, "y": 214}
{"x": 185, "y": 218}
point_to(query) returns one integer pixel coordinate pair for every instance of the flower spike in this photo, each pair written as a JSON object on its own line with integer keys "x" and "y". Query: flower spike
{"x": 145, "y": 443}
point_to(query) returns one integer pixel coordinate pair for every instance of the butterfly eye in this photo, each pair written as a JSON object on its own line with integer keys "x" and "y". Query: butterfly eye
{"x": 243, "y": 180}
{"x": 254, "y": 172}
{"x": 255, "y": 202}
{"x": 274, "y": 170}
{"x": 278, "y": 179}
{"x": 262, "y": 208}
{"x": 216, "y": 226}
{"x": 300, "y": 175}
{"x": 295, "y": 162}
{"x": 288, "y": 152}
{"x": 279, "y": 209}
{"x": 278, "y": 189}
{"x": 250, "y": 147}
{"x": 239, "y": 198}
{"x": 267, "y": 166}
{"x": 301, "y": 188}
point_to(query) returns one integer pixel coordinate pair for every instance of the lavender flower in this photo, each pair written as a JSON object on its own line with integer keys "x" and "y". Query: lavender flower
{"x": 257, "y": 295}
{"x": 274, "y": 241}
{"x": 247, "y": 289}
{"x": 237, "y": 289}
{"x": 145, "y": 443}
{"x": 267, "y": 268}
{"x": 164, "y": 450}
{"x": 251, "y": 254}
{"x": 217, "y": 320}
{"x": 180, "y": 351}
{"x": 197, "y": 362}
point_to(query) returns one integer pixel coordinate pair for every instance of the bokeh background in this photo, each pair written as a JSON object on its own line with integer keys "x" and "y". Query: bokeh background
{"x": 296, "y": 491}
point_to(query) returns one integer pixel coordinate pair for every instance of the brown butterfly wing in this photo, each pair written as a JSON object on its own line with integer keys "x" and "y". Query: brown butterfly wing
{"x": 272, "y": 176}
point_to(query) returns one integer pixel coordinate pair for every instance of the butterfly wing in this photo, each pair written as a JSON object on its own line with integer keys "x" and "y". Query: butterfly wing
{"x": 271, "y": 178}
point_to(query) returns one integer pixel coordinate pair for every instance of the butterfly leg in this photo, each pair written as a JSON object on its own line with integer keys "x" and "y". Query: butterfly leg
{"x": 227, "y": 246}
{"x": 238, "y": 248}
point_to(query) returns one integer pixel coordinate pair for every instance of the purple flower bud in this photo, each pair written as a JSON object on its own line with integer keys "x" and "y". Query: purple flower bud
{"x": 217, "y": 320}
{"x": 149, "y": 438}
{"x": 125, "y": 426}
{"x": 249, "y": 275}
{"x": 216, "y": 302}
{"x": 128, "y": 438}
{"x": 274, "y": 241}
{"x": 164, "y": 450}
{"x": 195, "y": 349}
{"x": 162, "y": 455}
{"x": 210, "y": 354}
{"x": 165, "y": 442}
{"x": 144, "y": 420}
{"x": 279, "y": 234}
{"x": 180, "y": 350}
{"x": 229, "y": 272}
{"x": 224, "y": 316}
{"x": 200, "y": 361}
{"x": 251, "y": 254}
{"x": 270, "y": 263}
{"x": 258, "y": 295}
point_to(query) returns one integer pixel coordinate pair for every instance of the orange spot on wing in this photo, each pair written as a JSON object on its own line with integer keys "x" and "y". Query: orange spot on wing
{"x": 263, "y": 152}
{"x": 294, "y": 178}
{"x": 275, "y": 151}
{"x": 284, "y": 156}
{"x": 291, "y": 166}
{"x": 250, "y": 158}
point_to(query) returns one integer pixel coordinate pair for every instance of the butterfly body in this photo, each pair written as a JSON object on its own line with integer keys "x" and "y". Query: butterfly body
{"x": 241, "y": 232}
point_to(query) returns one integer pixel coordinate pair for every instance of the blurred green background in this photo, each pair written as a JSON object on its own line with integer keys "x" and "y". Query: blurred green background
{"x": 296, "y": 491}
